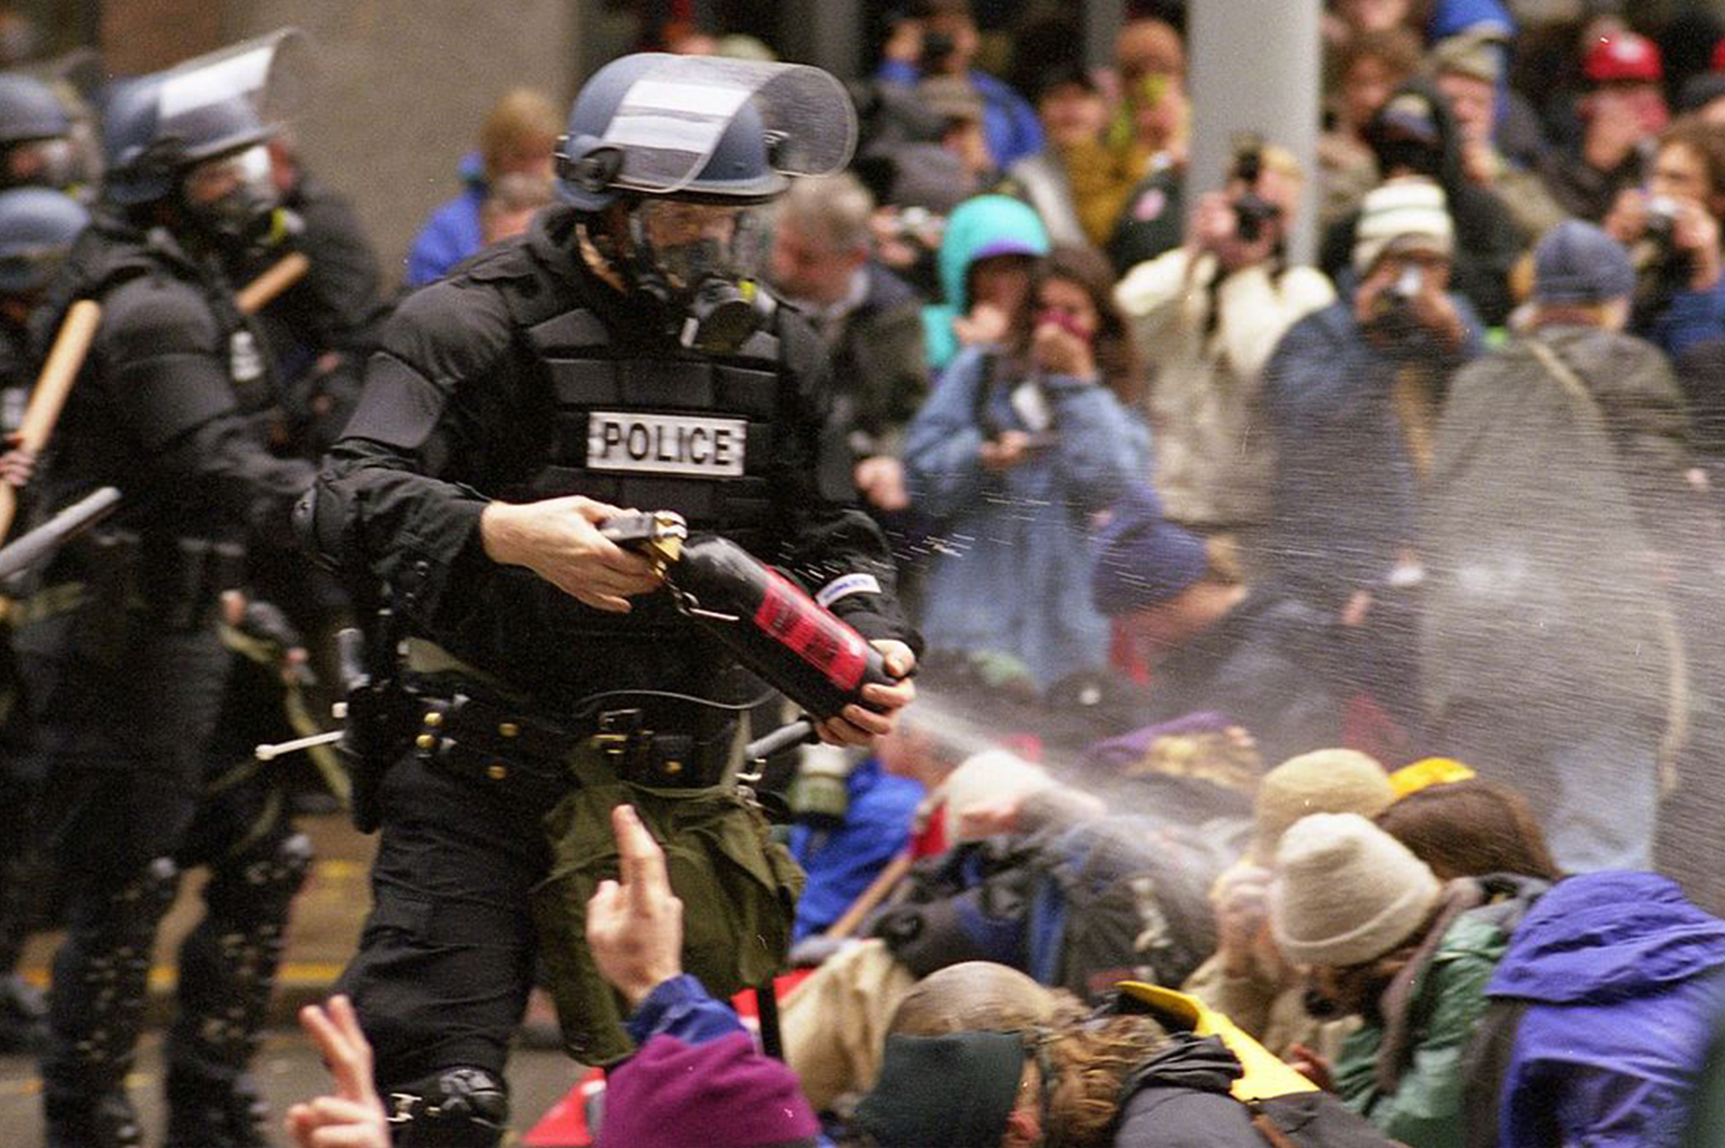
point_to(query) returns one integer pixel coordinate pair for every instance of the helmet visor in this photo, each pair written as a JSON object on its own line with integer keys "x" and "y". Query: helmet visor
{"x": 271, "y": 74}
{"x": 695, "y": 242}
{"x": 671, "y": 119}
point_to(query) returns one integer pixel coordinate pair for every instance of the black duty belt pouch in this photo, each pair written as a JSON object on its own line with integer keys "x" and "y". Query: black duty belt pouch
{"x": 739, "y": 891}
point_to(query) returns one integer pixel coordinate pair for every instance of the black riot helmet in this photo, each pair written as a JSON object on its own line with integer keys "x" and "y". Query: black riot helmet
{"x": 35, "y": 129}
{"x": 202, "y": 124}
{"x": 37, "y": 227}
{"x": 689, "y": 144}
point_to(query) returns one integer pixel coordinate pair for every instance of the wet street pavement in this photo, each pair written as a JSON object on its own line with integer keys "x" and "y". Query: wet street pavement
{"x": 326, "y": 924}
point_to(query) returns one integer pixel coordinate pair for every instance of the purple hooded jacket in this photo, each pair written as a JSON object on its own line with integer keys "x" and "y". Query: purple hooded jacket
{"x": 1621, "y": 978}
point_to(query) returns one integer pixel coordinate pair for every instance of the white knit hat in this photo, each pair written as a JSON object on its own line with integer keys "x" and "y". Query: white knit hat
{"x": 1403, "y": 213}
{"x": 1346, "y": 892}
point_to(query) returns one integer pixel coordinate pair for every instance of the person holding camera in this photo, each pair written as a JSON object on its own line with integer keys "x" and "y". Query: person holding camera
{"x": 1208, "y": 314}
{"x": 1353, "y": 394}
{"x": 1024, "y": 437}
{"x": 1671, "y": 227}
{"x": 939, "y": 38}
{"x": 1415, "y": 133}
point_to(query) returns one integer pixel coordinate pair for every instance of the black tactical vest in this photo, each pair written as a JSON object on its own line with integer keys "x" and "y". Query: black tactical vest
{"x": 660, "y": 431}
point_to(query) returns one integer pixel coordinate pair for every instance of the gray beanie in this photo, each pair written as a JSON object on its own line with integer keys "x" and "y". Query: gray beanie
{"x": 1346, "y": 892}
{"x": 1576, "y": 262}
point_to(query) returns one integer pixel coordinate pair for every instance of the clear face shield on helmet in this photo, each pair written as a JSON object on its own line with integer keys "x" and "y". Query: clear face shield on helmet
{"x": 51, "y": 163}
{"x": 234, "y": 196}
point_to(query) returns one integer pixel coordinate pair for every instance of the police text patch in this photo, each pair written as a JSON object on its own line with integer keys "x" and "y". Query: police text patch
{"x": 666, "y": 444}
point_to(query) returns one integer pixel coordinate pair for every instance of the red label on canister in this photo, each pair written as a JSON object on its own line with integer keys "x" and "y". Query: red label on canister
{"x": 797, "y": 622}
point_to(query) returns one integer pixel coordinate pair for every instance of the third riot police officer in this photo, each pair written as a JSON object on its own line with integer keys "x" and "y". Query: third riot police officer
{"x": 619, "y": 355}
{"x": 123, "y": 662}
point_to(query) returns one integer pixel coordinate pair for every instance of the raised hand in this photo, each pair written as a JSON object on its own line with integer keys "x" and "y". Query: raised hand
{"x": 354, "y": 1117}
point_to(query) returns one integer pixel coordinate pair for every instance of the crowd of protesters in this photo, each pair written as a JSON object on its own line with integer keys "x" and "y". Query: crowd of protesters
{"x": 1322, "y": 734}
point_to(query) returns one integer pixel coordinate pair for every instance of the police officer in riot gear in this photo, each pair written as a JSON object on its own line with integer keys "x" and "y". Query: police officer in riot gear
{"x": 620, "y": 354}
{"x": 119, "y": 642}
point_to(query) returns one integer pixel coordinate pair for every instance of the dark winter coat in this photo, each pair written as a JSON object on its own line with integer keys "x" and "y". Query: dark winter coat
{"x": 1269, "y": 665}
{"x": 1345, "y": 489}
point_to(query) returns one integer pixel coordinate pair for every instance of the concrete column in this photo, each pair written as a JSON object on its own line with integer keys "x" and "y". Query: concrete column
{"x": 1256, "y": 67}
{"x": 403, "y": 86}
{"x": 825, "y": 33}
{"x": 1102, "y": 20}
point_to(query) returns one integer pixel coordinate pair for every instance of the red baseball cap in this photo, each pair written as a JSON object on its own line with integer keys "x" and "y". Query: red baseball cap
{"x": 1624, "y": 56}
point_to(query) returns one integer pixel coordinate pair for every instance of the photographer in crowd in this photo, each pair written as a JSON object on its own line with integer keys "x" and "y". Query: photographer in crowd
{"x": 1209, "y": 314}
{"x": 1671, "y": 227}
{"x": 1353, "y": 393}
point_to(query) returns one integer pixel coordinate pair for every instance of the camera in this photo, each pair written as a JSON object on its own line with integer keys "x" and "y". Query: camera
{"x": 1393, "y": 313}
{"x": 1660, "y": 229}
{"x": 937, "y": 49}
{"x": 1661, "y": 267}
{"x": 1252, "y": 212}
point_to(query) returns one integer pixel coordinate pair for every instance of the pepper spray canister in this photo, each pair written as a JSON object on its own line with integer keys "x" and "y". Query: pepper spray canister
{"x": 771, "y": 624}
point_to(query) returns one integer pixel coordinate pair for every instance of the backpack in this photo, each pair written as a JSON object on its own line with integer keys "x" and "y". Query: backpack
{"x": 1079, "y": 908}
{"x": 1119, "y": 898}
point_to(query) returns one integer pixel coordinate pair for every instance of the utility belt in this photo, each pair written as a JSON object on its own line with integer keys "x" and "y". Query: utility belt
{"x": 468, "y": 727}
{"x": 510, "y": 751}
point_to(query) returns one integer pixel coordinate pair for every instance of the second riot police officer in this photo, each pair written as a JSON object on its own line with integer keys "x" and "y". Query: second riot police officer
{"x": 123, "y": 661}
{"x": 619, "y": 355}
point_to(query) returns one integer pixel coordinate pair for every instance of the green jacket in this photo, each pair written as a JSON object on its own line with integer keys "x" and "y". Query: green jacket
{"x": 1413, "y": 1093}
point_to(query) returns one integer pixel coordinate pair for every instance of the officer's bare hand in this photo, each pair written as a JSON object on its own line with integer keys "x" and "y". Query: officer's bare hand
{"x": 861, "y": 725}
{"x": 559, "y": 540}
{"x": 354, "y": 1117}
{"x": 635, "y": 930}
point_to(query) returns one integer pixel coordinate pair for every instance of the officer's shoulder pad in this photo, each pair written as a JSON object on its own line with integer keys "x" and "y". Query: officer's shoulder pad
{"x": 448, "y": 329}
{"x": 500, "y": 261}
{"x": 159, "y": 313}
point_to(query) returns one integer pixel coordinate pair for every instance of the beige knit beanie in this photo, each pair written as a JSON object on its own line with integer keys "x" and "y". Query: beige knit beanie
{"x": 1323, "y": 781}
{"x": 1346, "y": 892}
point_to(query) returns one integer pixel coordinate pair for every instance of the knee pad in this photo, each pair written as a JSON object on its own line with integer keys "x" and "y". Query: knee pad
{"x": 459, "y": 1107}
{"x": 146, "y": 898}
{"x": 279, "y": 875}
{"x": 260, "y": 884}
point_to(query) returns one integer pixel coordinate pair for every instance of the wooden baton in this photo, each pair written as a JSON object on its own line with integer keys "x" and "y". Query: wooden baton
{"x": 48, "y": 397}
{"x": 72, "y": 344}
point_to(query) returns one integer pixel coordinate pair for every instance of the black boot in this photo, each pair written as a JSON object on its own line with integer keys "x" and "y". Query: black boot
{"x": 108, "y": 1121}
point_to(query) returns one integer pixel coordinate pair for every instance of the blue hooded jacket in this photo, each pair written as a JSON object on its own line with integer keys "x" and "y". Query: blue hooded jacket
{"x": 1619, "y": 974}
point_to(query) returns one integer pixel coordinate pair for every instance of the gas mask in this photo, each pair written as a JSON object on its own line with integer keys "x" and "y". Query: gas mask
{"x": 232, "y": 199}
{"x": 699, "y": 261}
